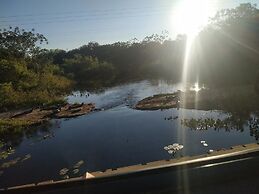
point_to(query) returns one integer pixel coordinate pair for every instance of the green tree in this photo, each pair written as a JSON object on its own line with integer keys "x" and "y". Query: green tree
{"x": 16, "y": 42}
{"x": 27, "y": 75}
{"x": 87, "y": 69}
{"x": 228, "y": 17}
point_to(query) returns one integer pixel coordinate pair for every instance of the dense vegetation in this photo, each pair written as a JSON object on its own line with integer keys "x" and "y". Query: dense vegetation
{"x": 229, "y": 47}
{"x": 224, "y": 53}
{"x": 25, "y": 78}
{"x": 155, "y": 56}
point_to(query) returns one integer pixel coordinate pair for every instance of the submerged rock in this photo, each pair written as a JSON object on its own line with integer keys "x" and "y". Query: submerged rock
{"x": 159, "y": 101}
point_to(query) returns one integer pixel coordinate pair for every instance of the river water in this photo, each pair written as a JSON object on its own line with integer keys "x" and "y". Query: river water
{"x": 114, "y": 137}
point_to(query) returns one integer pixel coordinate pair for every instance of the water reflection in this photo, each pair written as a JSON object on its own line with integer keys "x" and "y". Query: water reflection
{"x": 196, "y": 87}
{"x": 118, "y": 135}
{"x": 230, "y": 123}
{"x": 14, "y": 137}
{"x": 10, "y": 141}
{"x": 127, "y": 94}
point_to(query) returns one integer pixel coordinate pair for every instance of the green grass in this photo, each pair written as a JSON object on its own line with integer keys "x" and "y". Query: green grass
{"x": 12, "y": 124}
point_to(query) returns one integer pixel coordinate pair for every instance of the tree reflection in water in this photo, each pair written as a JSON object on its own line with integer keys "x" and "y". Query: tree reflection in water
{"x": 12, "y": 138}
{"x": 234, "y": 122}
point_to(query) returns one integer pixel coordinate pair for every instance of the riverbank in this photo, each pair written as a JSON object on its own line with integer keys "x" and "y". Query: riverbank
{"x": 35, "y": 116}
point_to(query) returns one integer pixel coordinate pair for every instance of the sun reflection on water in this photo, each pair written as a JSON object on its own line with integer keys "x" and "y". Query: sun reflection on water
{"x": 190, "y": 17}
{"x": 196, "y": 87}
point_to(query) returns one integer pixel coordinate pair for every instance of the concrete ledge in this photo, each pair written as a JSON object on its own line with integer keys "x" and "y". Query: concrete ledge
{"x": 235, "y": 151}
{"x": 45, "y": 182}
{"x": 21, "y": 186}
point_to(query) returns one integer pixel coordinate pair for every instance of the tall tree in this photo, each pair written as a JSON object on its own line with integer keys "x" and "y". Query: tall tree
{"x": 16, "y": 42}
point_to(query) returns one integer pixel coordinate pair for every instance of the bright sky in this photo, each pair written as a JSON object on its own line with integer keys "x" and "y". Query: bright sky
{"x": 71, "y": 23}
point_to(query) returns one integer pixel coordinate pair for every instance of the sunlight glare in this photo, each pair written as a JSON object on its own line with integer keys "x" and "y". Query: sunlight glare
{"x": 191, "y": 16}
{"x": 196, "y": 87}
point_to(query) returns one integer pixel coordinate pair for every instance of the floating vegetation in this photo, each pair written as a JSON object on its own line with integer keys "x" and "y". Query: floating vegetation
{"x": 172, "y": 149}
{"x": 75, "y": 171}
{"x": 63, "y": 171}
{"x": 78, "y": 164}
{"x": 15, "y": 161}
{"x": 49, "y": 135}
{"x": 7, "y": 124}
{"x": 5, "y": 153}
{"x": 204, "y": 124}
{"x": 230, "y": 123}
{"x": 10, "y": 163}
{"x": 26, "y": 157}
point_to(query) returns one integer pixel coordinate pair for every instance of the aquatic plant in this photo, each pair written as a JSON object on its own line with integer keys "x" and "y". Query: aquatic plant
{"x": 229, "y": 123}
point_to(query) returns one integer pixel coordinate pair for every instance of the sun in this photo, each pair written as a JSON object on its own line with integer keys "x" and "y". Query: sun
{"x": 190, "y": 16}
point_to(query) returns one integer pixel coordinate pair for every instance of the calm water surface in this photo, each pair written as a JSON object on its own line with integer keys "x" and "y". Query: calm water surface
{"x": 114, "y": 137}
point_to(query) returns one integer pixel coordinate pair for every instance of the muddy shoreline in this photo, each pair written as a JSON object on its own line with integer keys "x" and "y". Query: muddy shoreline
{"x": 40, "y": 115}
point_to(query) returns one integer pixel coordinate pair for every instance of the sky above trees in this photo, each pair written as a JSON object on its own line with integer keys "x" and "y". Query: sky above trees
{"x": 69, "y": 24}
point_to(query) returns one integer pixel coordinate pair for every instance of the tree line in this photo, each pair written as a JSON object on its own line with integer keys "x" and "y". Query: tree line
{"x": 27, "y": 79}
{"x": 225, "y": 53}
